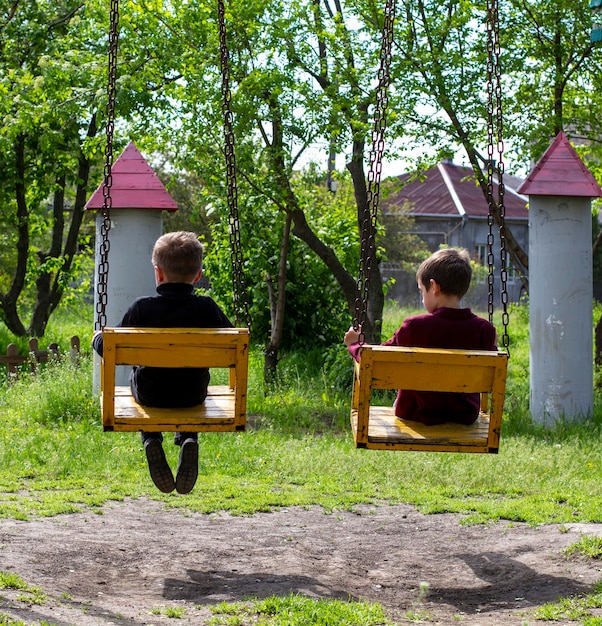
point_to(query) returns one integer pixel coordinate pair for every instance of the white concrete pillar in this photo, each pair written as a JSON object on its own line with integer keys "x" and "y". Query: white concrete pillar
{"x": 560, "y": 313}
{"x": 132, "y": 236}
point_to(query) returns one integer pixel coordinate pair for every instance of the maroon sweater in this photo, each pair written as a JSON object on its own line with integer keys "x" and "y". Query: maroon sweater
{"x": 443, "y": 328}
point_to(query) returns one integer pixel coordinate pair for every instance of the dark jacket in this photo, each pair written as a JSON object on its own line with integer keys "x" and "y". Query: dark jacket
{"x": 174, "y": 306}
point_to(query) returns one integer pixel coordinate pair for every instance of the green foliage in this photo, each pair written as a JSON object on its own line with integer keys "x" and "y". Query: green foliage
{"x": 174, "y": 612}
{"x": 297, "y": 450}
{"x": 560, "y": 91}
{"x": 338, "y": 369}
{"x": 395, "y": 238}
{"x": 74, "y": 319}
{"x": 59, "y": 395}
{"x": 31, "y": 594}
{"x": 298, "y": 610}
{"x": 316, "y": 312}
{"x": 48, "y": 81}
{"x": 9, "y": 580}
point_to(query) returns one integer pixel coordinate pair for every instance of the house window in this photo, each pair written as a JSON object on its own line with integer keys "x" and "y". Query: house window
{"x": 480, "y": 254}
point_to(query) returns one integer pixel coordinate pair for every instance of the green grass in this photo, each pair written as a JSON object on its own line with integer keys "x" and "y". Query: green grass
{"x": 174, "y": 612}
{"x": 588, "y": 546}
{"x": 579, "y": 607}
{"x": 297, "y": 610}
{"x": 30, "y": 594}
{"x": 573, "y": 608}
{"x": 54, "y": 457}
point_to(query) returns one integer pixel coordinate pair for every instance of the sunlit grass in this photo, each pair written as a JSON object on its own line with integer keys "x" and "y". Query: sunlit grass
{"x": 56, "y": 459}
{"x": 589, "y": 546}
{"x": 298, "y": 610}
{"x": 574, "y": 608}
{"x": 29, "y": 594}
{"x": 298, "y": 450}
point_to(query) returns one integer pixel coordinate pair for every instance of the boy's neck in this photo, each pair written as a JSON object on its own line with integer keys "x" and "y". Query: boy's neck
{"x": 449, "y": 301}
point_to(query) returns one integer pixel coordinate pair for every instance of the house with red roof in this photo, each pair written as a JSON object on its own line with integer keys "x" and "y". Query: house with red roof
{"x": 449, "y": 208}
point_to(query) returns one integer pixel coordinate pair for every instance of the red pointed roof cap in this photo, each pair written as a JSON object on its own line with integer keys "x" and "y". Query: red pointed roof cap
{"x": 561, "y": 172}
{"x": 135, "y": 185}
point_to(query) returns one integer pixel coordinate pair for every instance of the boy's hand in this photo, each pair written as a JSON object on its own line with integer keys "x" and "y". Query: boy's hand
{"x": 352, "y": 336}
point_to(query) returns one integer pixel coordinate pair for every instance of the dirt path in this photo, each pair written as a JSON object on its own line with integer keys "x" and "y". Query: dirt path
{"x": 115, "y": 568}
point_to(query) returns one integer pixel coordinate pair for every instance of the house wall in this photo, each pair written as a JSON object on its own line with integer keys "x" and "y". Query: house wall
{"x": 469, "y": 233}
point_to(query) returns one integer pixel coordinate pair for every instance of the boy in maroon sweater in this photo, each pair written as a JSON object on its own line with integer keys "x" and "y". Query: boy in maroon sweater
{"x": 443, "y": 279}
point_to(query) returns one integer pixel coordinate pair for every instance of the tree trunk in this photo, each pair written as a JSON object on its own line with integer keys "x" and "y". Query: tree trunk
{"x": 10, "y": 313}
{"x": 519, "y": 257}
{"x": 303, "y": 231}
{"x": 277, "y": 309}
{"x": 49, "y": 284}
{"x": 375, "y": 297}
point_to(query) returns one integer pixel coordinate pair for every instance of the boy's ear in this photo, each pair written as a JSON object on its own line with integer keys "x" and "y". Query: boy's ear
{"x": 435, "y": 286}
{"x": 159, "y": 275}
{"x": 198, "y": 276}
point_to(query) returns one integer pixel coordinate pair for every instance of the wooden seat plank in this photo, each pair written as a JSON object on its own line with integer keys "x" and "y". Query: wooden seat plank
{"x": 423, "y": 369}
{"x": 386, "y": 430}
{"x": 224, "y": 408}
{"x": 215, "y": 414}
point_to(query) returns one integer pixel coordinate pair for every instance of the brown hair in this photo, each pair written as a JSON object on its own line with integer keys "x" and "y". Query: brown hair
{"x": 450, "y": 268}
{"x": 179, "y": 255}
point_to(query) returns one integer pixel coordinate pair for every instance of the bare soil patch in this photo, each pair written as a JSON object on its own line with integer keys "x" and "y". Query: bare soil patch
{"x": 138, "y": 556}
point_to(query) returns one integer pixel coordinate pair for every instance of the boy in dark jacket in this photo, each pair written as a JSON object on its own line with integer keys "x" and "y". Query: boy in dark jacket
{"x": 177, "y": 258}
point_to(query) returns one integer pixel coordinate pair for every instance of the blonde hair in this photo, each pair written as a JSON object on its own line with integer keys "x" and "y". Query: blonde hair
{"x": 179, "y": 255}
{"x": 450, "y": 268}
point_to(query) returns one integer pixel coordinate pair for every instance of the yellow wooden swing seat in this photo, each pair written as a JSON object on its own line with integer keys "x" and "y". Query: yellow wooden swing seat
{"x": 224, "y": 408}
{"x": 426, "y": 369}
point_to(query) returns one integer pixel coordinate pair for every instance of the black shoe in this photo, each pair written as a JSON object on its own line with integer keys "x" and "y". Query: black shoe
{"x": 188, "y": 466}
{"x": 158, "y": 467}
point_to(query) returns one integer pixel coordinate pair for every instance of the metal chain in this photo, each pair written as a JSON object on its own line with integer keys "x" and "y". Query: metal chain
{"x": 368, "y": 230}
{"x": 500, "y": 174}
{"x": 238, "y": 280}
{"x": 105, "y": 244}
{"x": 490, "y": 160}
{"x": 495, "y": 142}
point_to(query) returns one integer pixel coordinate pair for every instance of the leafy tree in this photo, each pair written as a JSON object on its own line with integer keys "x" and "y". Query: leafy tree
{"x": 315, "y": 313}
{"x": 550, "y": 73}
{"x": 53, "y": 58}
{"x": 440, "y": 61}
{"x": 301, "y": 73}
{"x": 48, "y": 60}
{"x": 554, "y": 75}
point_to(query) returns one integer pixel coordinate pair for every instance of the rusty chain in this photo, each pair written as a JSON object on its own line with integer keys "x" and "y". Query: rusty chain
{"x": 495, "y": 145}
{"x": 238, "y": 280}
{"x": 105, "y": 244}
{"x": 368, "y": 229}
{"x": 490, "y": 159}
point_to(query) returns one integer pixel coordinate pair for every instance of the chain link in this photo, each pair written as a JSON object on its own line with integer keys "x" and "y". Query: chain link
{"x": 368, "y": 230}
{"x": 238, "y": 281}
{"x": 495, "y": 143}
{"x": 490, "y": 159}
{"x": 105, "y": 244}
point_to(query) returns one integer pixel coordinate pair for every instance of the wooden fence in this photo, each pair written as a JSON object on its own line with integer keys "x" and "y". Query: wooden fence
{"x": 13, "y": 360}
